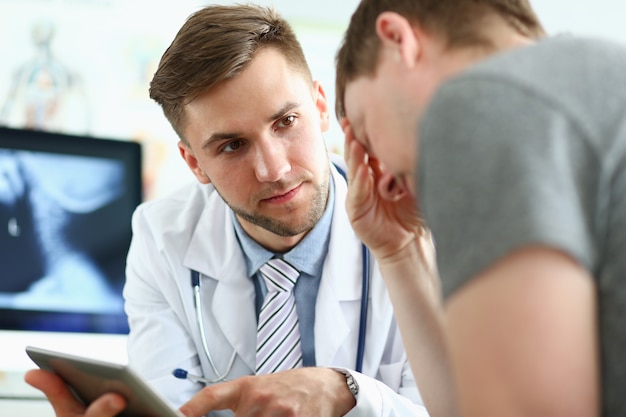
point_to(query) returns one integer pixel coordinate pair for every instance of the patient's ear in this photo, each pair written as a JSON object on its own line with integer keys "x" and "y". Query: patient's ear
{"x": 192, "y": 163}
{"x": 390, "y": 188}
{"x": 398, "y": 35}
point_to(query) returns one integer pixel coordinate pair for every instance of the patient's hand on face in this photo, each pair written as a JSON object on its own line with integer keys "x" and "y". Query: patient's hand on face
{"x": 383, "y": 212}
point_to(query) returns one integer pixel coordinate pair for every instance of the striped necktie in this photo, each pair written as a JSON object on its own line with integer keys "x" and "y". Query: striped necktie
{"x": 278, "y": 334}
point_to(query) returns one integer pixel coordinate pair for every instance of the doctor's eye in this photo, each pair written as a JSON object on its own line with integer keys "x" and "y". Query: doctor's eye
{"x": 231, "y": 146}
{"x": 287, "y": 121}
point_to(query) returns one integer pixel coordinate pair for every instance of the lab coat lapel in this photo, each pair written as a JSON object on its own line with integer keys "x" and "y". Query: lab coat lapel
{"x": 229, "y": 293}
{"x": 233, "y": 308}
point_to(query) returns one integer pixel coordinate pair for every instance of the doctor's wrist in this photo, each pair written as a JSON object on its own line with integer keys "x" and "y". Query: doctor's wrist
{"x": 349, "y": 387}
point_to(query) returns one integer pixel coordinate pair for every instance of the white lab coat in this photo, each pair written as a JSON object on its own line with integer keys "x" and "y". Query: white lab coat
{"x": 192, "y": 229}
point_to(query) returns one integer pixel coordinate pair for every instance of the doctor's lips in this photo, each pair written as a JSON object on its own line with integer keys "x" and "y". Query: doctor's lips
{"x": 281, "y": 196}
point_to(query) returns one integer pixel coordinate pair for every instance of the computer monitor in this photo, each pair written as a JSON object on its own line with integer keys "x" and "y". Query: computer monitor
{"x": 65, "y": 226}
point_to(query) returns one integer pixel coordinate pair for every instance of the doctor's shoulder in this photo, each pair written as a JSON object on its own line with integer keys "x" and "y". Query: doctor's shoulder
{"x": 178, "y": 209}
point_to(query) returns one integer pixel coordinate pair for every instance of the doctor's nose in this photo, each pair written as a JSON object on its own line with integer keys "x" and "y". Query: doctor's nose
{"x": 271, "y": 163}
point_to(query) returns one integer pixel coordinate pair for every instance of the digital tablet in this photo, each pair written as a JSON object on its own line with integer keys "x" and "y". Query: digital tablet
{"x": 89, "y": 378}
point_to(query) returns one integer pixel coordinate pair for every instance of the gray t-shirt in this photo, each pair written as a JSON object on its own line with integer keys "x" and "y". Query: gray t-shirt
{"x": 529, "y": 147}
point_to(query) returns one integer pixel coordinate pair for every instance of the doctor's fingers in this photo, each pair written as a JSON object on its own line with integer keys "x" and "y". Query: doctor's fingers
{"x": 63, "y": 401}
{"x": 273, "y": 395}
{"x": 108, "y": 405}
{"x": 225, "y": 395}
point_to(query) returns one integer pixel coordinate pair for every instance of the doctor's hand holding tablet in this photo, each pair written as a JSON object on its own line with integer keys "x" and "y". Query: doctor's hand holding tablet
{"x": 78, "y": 386}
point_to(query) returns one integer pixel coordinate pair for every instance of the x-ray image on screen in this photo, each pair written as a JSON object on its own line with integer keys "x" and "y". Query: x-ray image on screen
{"x": 44, "y": 197}
{"x": 64, "y": 233}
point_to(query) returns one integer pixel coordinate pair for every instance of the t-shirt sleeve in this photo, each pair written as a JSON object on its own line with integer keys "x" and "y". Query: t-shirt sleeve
{"x": 501, "y": 167}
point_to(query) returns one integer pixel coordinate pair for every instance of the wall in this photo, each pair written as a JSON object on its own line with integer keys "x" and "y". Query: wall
{"x": 599, "y": 18}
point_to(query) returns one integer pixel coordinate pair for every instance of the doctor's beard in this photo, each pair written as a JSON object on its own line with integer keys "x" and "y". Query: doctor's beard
{"x": 282, "y": 228}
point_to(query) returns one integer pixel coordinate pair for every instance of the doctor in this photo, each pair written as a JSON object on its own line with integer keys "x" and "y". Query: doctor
{"x": 236, "y": 88}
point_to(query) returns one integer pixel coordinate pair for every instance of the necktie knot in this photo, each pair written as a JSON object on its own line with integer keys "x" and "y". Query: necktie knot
{"x": 279, "y": 275}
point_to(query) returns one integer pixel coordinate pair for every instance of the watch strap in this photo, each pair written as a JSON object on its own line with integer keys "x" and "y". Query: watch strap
{"x": 353, "y": 386}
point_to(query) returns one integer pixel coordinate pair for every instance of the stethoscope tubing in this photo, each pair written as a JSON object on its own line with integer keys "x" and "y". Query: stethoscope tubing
{"x": 195, "y": 283}
{"x": 365, "y": 291}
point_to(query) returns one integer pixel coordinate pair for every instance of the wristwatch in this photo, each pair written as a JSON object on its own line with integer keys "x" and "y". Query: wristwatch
{"x": 353, "y": 386}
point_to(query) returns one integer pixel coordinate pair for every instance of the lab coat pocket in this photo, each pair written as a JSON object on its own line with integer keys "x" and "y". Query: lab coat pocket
{"x": 391, "y": 374}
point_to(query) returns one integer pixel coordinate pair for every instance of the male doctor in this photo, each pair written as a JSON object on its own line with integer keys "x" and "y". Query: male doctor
{"x": 236, "y": 88}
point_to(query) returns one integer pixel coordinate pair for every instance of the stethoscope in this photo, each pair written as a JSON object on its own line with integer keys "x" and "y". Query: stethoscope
{"x": 219, "y": 376}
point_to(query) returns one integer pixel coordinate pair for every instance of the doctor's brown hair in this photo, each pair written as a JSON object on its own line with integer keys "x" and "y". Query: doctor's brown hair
{"x": 215, "y": 44}
{"x": 459, "y": 23}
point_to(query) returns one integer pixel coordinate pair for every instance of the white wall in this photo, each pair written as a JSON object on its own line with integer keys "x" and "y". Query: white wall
{"x": 601, "y": 18}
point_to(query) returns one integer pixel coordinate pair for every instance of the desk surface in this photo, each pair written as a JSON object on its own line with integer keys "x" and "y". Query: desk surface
{"x": 25, "y": 408}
